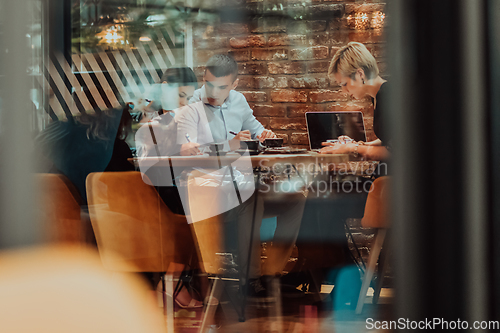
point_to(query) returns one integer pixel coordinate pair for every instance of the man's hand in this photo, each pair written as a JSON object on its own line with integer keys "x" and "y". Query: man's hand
{"x": 190, "y": 148}
{"x": 266, "y": 134}
{"x": 234, "y": 143}
{"x": 243, "y": 135}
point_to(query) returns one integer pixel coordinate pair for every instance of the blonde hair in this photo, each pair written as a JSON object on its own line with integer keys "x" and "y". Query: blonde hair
{"x": 350, "y": 57}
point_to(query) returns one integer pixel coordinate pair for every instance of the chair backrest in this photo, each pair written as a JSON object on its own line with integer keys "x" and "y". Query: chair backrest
{"x": 377, "y": 204}
{"x": 59, "y": 203}
{"x": 133, "y": 226}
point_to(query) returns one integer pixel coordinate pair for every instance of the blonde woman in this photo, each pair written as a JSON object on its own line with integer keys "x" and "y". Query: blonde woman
{"x": 356, "y": 71}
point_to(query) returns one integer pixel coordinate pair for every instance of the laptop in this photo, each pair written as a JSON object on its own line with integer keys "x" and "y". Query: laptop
{"x": 323, "y": 126}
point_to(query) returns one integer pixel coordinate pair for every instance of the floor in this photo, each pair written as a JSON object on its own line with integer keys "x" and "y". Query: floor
{"x": 299, "y": 313}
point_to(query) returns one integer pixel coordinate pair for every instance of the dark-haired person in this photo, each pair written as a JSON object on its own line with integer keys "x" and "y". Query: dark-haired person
{"x": 80, "y": 145}
{"x": 215, "y": 112}
{"x": 227, "y": 110}
{"x": 176, "y": 89}
{"x": 157, "y": 137}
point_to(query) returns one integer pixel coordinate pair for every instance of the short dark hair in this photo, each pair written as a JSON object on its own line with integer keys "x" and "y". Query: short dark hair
{"x": 222, "y": 65}
{"x": 183, "y": 76}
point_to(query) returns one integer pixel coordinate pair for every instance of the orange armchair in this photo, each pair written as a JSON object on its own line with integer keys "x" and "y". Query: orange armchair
{"x": 135, "y": 230}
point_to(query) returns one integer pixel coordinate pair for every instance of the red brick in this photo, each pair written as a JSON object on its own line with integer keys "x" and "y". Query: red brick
{"x": 245, "y": 82}
{"x": 286, "y": 67}
{"x": 314, "y": 52}
{"x": 337, "y": 24}
{"x": 200, "y": 58}
{"x": 252, "y": 68}
{"x": 355, "y": 105}
{"x": 263, "y": 82}
{"x": 379, "y": 50}
{"x": 285, "y": 40}
{"x": 283, "y": 136}
{"x": 382, "y": 67}
{"x": 203, "y": 30}
{"x": 322, "y": 96}
{"x": 297, "y": 110}
{"x": 370, "y": 135}
{"x": 264, "y": 121}
{"x": 334, "y": 50}
{"x": 366, "y": 36}
{"x": 277, "y": 54}
{"x": 232, "y": 29}
{"x": 330, "y": 38}
{"x": 288, "y": 124}
{"x": 255, "y": 96}
{"x": 368, "y": 123}
{"x": 240, "y": 55}
{"x": 309, "y": 82}
{"x": 364, "y": 8}
{"x": 310, "y": 26}
{"x": 210, "y": 43}
{"x": 326, "y": 10}
{"x": 318, "y": 66}
{"x": 269, "y": 110}
{"x": 248, "y": 41}
{"x": 268, "y": 24}
{"x": 299, "y": 139}
{"x": 285, "y": 95}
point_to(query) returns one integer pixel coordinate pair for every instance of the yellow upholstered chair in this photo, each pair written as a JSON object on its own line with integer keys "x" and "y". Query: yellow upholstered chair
{"x": 135, "y": 230}
{"x": 376, "y": 216}
{"x": 59, "y": 203}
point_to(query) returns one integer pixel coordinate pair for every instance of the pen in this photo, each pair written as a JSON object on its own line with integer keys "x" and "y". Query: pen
{"x": 187, "y": 137}
{"x": 233, "y": 133}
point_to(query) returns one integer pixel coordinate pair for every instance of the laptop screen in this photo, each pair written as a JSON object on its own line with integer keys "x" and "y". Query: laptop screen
{"x": 322, "y": 126}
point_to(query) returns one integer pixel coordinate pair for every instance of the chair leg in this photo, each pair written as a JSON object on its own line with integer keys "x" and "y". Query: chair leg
{"x": 276, "y": 311}
{"x": 212, "y": 304}
{"x": 382, "y": 268}
{"x": 167, "y": 283}
{"x": 370, "y": 269}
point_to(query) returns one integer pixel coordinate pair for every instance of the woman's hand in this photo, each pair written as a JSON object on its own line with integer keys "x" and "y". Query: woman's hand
{"x": 337, "y": 148}
{"x": 343, "y": 139}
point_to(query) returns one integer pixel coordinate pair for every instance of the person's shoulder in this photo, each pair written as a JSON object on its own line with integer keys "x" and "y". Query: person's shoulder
{"x": 190, "y": 109}
{"x": 235, "y": 97}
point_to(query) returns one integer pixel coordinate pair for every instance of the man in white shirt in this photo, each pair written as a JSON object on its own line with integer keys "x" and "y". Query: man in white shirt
{"x": 219, "y": 106}
{"x": 219, "y": 114}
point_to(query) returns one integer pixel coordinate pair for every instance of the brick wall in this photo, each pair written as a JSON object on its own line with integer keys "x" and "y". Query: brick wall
{"x": 283, "y": 53}
{"x": 283, "y": 50}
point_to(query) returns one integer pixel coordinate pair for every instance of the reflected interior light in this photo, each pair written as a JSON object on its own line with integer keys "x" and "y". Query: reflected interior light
{"x": 144, "y": 39}
{"x": 378, "y": 20}
{"x": 363, "y": 21}
{"x": 111, "y": 35}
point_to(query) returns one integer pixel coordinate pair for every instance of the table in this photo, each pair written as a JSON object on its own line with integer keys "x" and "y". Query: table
{"x": 309, "y": 163}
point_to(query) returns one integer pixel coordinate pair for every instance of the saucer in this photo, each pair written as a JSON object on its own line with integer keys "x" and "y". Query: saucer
{"x": 251, "y": 152}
